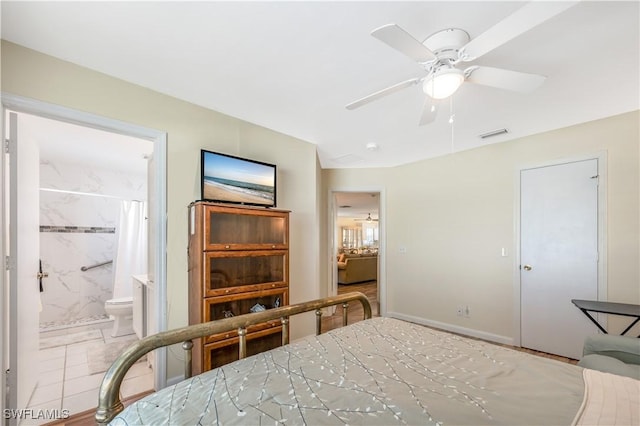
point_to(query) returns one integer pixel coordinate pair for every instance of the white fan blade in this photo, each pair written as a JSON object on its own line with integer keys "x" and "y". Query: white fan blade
{"x": 429, "y": 111}
{"x": 505, "y": 79}
{"x": 382, "y": 93}
{"x": 404, "y": 42}
{"x": 522, "y": 20}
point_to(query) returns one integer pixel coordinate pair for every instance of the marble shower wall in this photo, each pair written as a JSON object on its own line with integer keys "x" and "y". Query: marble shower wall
{"x": 78, "y": 230}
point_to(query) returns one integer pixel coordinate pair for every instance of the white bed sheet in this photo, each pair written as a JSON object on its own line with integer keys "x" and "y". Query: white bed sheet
{"x": 609, "y": 400}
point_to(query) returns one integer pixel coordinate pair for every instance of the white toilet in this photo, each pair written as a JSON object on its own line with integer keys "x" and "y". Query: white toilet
{"x": 121, "y": 309}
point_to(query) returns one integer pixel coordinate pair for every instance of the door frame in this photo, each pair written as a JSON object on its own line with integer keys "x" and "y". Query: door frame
{"x": 601, "y": 156}
{"x": 332, "y": 247}
{"x": 26, "y": 154}
{"x": 35, "y": 107}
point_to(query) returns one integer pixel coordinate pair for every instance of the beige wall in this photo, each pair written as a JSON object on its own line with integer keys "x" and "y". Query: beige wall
{"x": 455, "y": 213}
{"x": 189, "y": 128}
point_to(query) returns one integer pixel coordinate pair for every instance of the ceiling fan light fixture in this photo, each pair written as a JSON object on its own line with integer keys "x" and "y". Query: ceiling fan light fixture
{"x": 443, "y": 83}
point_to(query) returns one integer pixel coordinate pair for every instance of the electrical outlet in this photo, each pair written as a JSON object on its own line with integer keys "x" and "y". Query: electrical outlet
{"x": 459, "y": 311}
{"x": 467, "y": 313}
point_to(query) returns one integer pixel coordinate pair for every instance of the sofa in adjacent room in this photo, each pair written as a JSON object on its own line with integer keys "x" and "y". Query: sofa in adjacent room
{"x": 355, "y": 268}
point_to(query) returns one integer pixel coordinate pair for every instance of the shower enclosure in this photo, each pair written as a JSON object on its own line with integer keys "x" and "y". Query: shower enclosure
{"x": 79, "y": 208}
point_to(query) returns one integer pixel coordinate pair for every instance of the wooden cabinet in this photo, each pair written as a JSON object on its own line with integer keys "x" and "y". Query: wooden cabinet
{"x": 238, "y": 261}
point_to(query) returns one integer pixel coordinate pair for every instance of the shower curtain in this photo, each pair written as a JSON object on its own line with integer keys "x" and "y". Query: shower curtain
{"x": 131, "y": 249}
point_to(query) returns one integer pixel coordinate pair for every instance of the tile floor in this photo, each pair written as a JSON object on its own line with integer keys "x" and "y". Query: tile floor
{"x": 64, "y": 381}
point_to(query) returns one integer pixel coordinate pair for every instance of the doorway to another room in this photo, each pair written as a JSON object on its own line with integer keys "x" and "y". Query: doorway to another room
{"x": 356, "y": 251}
{"x": 96, "y": 261}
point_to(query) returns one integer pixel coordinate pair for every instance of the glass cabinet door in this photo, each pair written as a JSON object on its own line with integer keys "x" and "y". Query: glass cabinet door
{"x": 233, "y": 231}
{"x": 224, "y": 352}
{"x": 235, "y": 272}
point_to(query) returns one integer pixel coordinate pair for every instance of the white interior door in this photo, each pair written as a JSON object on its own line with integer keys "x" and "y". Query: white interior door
{"x": 24, "y": 249}
{"x": 559, "y": 255}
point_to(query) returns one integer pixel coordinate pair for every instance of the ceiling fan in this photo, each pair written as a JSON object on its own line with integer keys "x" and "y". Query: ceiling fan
{"x": 442, "y": 53}
{"x": 367, "y": 219}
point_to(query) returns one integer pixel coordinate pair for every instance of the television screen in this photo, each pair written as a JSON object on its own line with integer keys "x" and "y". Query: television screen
{"x": 230, "y": 179}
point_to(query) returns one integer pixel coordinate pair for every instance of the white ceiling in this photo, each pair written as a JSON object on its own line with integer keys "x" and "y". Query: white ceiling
{"x": 293, "y": 66}
{"x": 358, "y": 205}
{"x": 72, "y": 144}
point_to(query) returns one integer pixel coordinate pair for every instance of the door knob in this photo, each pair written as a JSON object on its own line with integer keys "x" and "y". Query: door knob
{"x": 527, "y": 267}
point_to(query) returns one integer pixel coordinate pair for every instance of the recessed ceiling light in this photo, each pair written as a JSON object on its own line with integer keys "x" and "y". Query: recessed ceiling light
{"x": 372, "y": 146}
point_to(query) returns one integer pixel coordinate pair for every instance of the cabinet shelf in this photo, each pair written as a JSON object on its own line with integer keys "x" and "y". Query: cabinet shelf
{"x": 226, "y": 351}
{"x": 238, "y": 304}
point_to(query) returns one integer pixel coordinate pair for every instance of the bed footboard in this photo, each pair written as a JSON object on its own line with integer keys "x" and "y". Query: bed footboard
{"x": 109, "y": 404}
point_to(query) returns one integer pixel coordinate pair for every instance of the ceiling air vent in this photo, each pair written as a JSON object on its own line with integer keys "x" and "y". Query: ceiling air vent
{"x": 493, "y": 133}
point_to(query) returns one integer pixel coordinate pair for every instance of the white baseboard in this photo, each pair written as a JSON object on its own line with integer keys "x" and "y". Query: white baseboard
{"x": 454, "y": 328}
{"x": 175, "y": 380}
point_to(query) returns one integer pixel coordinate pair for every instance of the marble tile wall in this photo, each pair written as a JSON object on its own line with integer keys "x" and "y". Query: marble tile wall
{"x": 79, "y": 230}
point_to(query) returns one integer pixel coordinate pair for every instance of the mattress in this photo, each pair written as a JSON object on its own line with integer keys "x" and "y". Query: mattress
{"x": 380, "y": 371}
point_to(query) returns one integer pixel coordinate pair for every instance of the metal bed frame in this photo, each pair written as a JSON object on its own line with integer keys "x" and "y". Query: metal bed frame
{"x": 109, "y": 404}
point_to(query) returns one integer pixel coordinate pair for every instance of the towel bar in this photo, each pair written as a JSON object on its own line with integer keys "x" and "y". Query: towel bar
{"x": 86, "y": 268}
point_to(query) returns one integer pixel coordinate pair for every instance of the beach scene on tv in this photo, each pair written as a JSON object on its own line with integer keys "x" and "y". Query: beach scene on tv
{"x": 237, "y": 181}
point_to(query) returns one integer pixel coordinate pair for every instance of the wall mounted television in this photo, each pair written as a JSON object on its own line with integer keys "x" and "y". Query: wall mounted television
{"x": 229, "y": 179}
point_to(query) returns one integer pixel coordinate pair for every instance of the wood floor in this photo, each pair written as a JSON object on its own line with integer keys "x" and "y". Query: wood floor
{"x": 355, "y": 311}
{"x": 87, "y": 418}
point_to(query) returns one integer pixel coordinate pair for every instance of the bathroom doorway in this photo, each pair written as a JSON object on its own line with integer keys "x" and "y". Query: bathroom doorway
{"x": 80, "y": 200}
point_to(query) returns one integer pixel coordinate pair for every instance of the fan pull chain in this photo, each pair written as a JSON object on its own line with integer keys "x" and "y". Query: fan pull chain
{"x": 451, "y": 113}
{"x": 451, "y": 120}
